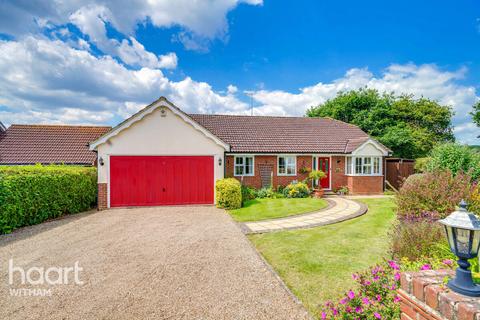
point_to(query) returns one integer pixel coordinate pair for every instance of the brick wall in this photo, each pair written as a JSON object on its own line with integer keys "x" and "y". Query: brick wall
{"x": 339, "y": 179}
{"x": 356, "y": 184}
{"x": 365, "y": 184}
{"x": 425, "y": 297}
{"x": 255, "y": 181}
{"x": 102, "y": 202}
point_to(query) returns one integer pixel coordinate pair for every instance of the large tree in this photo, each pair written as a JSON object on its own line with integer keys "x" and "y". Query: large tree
{"x": 410, "y": 127}
{"x": 476, "y": 113}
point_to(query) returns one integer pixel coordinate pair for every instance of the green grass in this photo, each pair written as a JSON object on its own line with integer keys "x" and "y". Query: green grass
{"x": 317, "y": 264}
{"x": 261, "y": 209}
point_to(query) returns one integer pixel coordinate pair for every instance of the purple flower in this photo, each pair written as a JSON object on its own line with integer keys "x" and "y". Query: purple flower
{"x": 393, "y": 265}
{"x": 426, "y": 267}
{"x": 335, "y": 311}
{"x": 377, "y": 315}
{"x": 379, "y": 297}
{"x": 367, "y": 283}
{"x": 351, "y": 294}
{"x": 348, "y": 309}
{"x": 354, "y": 276}
{"x": 396, "y": 299}
{"x": 324, "y": 316}
{"x": 358, "y": 309}
{"x": 397, "y": 276}
{"x": 343, "y": 301}
{"x": 376, "y": 278}
{"x": 366, "y": 301}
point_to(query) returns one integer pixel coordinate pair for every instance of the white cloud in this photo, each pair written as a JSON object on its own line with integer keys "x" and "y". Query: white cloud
{"x": 43, "y": 80}
{"x": 420, "y": 80}
{"x": 231, "y": 89}
{"x": 200, "y": 20}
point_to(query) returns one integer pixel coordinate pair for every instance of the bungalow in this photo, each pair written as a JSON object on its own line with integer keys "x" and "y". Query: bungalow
{"x": 22, "y": 144}
{"x": 163, "y": 156}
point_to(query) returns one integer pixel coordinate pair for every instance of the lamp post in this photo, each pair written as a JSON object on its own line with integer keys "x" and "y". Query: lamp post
{"x": 463, "y": 234}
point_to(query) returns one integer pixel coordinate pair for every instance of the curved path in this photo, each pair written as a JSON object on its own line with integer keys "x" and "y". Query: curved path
{"x": 339, "y": 209}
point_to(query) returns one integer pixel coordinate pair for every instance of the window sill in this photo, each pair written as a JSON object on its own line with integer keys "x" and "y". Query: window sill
{"x": 286, "y": 175}
{"x": 244, "y": 175}
{"x": 364, "y": 175}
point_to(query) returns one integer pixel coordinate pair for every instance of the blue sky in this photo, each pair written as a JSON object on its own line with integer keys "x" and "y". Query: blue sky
{"x": 97, "y": 61}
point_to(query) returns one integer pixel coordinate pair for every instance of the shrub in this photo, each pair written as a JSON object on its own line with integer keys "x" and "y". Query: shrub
{"x": 296, "y": 190}
{"x": 248, "y": 193}
{"x": 229, "y": 193}
{"x": 32, "y": 194}
{"x": 456, "y": 158}
{"x": 421, "y": 164}
{"x": 416, "y": 240}
{"x": 280, "y": 188}
{"x": 375, "y": 296}
{"x": 317, "y": 175}
{"x": 265, "y": 193}
{"x": 432, "y": 195}
{"x": 474, "y": 201}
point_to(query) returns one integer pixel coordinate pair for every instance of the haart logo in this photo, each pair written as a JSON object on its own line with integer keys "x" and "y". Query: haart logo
{"x": 41, "y": 276}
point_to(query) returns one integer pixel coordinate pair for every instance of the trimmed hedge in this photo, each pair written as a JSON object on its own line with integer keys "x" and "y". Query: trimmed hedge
{"x": 229, "y": 193}
{"x": 32, "y": 194}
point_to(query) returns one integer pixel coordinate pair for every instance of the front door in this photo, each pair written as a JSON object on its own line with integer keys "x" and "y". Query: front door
{"x": 324, "y": 165}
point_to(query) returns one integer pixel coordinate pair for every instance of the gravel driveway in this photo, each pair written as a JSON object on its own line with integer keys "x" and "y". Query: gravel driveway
{"x": 162, "y": 263}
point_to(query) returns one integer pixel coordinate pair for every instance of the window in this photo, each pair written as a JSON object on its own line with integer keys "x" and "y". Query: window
{"x": 243, "y": 166}
{"x": 363, "y": 166}
{"x": 287, "y": 165}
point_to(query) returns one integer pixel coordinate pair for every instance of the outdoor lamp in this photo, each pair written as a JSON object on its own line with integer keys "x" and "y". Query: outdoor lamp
{"x": 463, "y": 233}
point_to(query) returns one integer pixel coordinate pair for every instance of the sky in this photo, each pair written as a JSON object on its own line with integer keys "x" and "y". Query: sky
{"x": 97, "y": 62}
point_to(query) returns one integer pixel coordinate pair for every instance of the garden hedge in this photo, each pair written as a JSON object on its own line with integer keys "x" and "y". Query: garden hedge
{"x": 32, "y": 194}
{"x": 229, "y": 193}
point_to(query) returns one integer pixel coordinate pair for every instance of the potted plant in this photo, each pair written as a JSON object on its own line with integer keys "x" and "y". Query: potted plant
{"x": 317, "y": 175}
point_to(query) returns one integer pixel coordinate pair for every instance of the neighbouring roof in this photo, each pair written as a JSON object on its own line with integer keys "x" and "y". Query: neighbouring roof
{"x": 283, "y": 134}
{"x": 30, "y": 144}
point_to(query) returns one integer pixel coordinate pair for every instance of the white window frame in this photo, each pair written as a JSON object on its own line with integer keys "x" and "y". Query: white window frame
{"x": 244, "y": 163}
{"x": 351, "y": 166}
{"x": 278, "y": 165}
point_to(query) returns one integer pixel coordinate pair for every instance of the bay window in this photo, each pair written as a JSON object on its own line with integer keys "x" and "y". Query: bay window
{"x": 243, "y": 166}
{"x": 287, "y": 165}
{"x": 363, "y": 166}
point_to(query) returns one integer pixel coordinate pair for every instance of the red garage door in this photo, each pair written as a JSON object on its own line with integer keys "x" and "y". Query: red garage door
{"x": 154, "y": 181}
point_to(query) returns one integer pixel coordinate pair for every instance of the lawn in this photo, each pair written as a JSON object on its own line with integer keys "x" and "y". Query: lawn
{"x": 317, "y": 264}
{"x": 261, "y": 209}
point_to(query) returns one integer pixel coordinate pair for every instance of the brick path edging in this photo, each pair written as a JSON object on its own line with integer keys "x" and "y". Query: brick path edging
{"x": 424, "y": 296}
{"x": 325, "y": 216}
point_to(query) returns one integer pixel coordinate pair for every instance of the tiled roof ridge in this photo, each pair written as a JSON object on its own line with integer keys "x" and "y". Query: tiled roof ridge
{"x": 57, "y": 125}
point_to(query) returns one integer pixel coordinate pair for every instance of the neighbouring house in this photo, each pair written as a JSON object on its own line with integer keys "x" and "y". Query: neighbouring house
{"x": 163, "y": 156}
{"x": 48, "y": 144}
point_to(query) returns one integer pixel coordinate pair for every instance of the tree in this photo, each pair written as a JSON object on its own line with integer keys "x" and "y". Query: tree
{"x": 476, "y": 113}
{"x": 410, "y": 127}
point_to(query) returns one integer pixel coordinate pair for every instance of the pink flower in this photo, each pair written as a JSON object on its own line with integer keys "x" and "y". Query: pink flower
{"x": 397, "y": 276}
{"x": 366, "y": 301}
{"x": 367, "y": 283}
{"x": 376, "y": 278}
{"x": 324, "y": 315}
{"x": 447, "y": 262}
{"x": 377, "y": 315}
{"x": 396, "y": 299}
{"x": 348, "y": 309}
{"x": 335, "y": 311}
{"x": 343, "y": 301}
{"x": 393, "y": 265}
{"x": 354, "y": 276}
{"x": 358, "y": 309}
{"x": 379, "y": 297}
{"x": 426, "y": 267}
{"x": 351, "y": 294}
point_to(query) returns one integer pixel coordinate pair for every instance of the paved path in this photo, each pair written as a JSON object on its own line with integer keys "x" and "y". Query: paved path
{"x": 150, "y": 263}
{"x": 339, "y": 209}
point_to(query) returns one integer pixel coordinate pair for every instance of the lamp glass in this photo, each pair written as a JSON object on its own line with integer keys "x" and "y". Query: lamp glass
{"x": 463, "y": 241}
{"x": 451, "y": 241}
{"x": 475, "y": 243}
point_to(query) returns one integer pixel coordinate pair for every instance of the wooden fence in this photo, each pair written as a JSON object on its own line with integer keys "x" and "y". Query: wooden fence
{"x": 397, "y": 170}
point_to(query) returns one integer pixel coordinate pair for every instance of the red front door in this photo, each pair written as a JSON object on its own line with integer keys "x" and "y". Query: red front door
{"x": 160, "y": 180}
{"x": 324, "y": 165}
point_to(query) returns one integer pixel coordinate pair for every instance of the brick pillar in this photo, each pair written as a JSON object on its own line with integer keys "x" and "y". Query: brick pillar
{"x": 102, "y": 196}
{"x": 424, "y": 296}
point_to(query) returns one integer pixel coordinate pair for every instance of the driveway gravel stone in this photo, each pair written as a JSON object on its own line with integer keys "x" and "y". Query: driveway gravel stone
{"x": 144, "y": 263}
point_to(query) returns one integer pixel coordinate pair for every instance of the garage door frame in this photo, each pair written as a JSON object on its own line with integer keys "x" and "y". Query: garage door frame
{"x": 158, "y": 155}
